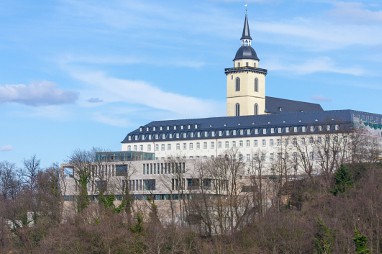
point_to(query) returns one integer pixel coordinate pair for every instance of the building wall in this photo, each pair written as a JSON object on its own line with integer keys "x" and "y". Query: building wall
{"x": 247, "y": 97}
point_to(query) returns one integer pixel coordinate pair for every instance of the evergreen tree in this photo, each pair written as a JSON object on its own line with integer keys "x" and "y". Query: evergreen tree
{"x": 324, "y": 239}
{"x": 343, "y": 180}
{"x": 360, "y": 242}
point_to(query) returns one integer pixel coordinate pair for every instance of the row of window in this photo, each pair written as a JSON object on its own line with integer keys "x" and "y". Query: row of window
{"x": 255, "y": 109}
{"x": 164, "y": 168}
{"x": 220, "y": 144}
{"x": 195, "y": 126}
{"x": 168, "y": 127}
{"x": 237, "y": 84}
{"x": 137, "y": 197}
{"x": 197, "y": 184}
{"x": 235, "y": 132}
{"x": 139, "y": 185}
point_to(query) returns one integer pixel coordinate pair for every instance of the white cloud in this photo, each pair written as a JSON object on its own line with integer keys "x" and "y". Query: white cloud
{"x": 135, "y": 92}
{"x": 95, "y": 100}
{"x": 117, "y": 60}
{"x": 322, "y": 64}
{"x": 6, "y": 148}
{"x": 37, "y": 94}
{"x": 355, "y": 12}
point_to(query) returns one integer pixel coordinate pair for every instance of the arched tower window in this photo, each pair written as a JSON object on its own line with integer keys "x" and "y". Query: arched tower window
{"x": 237, "y": 84}
{"x": 237, "y": 109}
{"x": 256, "y": 109}
{"x": 256, "y": 84}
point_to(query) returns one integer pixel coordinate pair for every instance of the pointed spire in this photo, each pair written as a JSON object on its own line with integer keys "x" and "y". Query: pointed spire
{"x": 246, "y": 34}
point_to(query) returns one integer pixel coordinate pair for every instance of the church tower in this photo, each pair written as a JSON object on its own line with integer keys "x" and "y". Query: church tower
{"x": 245, "y": 81}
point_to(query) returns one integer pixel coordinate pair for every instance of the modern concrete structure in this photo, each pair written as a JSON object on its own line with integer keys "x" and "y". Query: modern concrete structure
{"x": 161, "y": 158}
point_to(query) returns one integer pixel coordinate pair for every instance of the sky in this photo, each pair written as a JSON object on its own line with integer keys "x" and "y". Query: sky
{"x": 77, "y": 74}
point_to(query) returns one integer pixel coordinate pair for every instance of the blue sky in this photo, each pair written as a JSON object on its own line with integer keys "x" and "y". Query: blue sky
{"x": 81, "y": 73}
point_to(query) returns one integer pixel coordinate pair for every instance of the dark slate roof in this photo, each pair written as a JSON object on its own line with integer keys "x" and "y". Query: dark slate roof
{"x": 342, "y": 118}
{"x": 246, "y": 52}
{"x": 246, "y": 33}
{"x": 277, "y": 105}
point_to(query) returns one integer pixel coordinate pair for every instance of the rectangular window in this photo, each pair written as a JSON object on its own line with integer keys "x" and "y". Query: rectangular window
{"x": 212, "y": 145}
{"x": 184, "y": 146}
{"x": 135, "y": 148}
{"x": 272, "y": 130}
{"x": 278, "y": 130}
{"x": 204, "y": 145}
{"x": 149, "y": 147}
{"x": 286, "y": 129}
{"x": 156, "y": 147}
{"x": 233, "y": 143}
{"x": 279, "y": 142}
{"x": 264, "y": 142}
{"x": 121, "y": 170}
{"x": 169, "y": 147}
{"x": 248, "y": 157}
{"x": 255, "y": 143}
{"x": 149, "y": 184}
{"x": 226, "y": 144}
{"x": 191, "y": 145}
{"x": 295, "y": 129}
{"x": 219, "y": 144}
{"x": 177, "y": 146}
{"x": 197, "y": 145}
{"x": 241, "y": 143}
{"x": 271, "y": 142}
{"x": 248, "y": 143}
{"x": 264, "y": 131}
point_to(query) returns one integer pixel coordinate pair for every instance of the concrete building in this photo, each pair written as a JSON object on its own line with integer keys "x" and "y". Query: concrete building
{"x": 161, "y": 158}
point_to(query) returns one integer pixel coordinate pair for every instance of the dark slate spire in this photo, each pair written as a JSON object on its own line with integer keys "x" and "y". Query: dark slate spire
{"x": 246, "y": 51}
{"x": 246, "y": 34}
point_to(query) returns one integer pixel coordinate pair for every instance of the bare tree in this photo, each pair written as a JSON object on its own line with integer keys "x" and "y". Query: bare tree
{"x": 83, "y": 164}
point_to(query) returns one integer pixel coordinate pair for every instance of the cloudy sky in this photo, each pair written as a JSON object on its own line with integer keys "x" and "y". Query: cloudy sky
{"x": 76, "y": 74}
